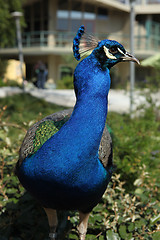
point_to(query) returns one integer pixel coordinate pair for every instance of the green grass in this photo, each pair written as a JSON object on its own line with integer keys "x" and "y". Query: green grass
{"x": 130, "y": 208}
{"x": 25, "y": 108}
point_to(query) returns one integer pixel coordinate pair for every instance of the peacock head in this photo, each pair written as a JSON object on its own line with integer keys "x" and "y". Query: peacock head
{"x": 108, "y": 52}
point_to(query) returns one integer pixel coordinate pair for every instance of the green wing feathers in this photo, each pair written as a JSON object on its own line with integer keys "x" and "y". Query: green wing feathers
{"x": 45, "y": 130}
{"x": 41, "y": 131}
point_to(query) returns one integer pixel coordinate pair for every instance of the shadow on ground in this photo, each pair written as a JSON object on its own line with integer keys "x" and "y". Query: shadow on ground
{"x": 26, "y": 219}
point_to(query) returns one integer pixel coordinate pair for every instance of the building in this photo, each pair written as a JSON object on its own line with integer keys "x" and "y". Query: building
{"x": 52, "y": 24}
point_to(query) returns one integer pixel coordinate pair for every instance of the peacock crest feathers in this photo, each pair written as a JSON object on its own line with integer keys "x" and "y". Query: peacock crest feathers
{"x": 76, "y": 42}
{"x": 83, "y": 43}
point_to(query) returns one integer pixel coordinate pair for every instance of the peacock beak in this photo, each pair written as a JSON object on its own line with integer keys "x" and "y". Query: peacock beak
{"x": 129, "y": 57}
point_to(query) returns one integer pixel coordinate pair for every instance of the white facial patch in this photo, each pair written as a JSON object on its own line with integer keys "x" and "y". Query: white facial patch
{"x": 120, "y": 51}
{"x": 108, "y": 54}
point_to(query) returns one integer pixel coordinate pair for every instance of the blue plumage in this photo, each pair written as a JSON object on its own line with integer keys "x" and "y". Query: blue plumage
{"x": 76, "y": 42}
{"x": 74, "y": 156}
{"x": 66, "y": 172}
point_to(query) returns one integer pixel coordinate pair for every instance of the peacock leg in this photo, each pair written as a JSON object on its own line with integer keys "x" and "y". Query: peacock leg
{"x": 83, "y": 224}
{"x": 53, "y": 222}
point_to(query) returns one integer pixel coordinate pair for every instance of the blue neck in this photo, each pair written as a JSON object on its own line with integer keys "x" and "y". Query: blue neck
{"x": 90, "y": 112}
{"x": 89, "y": 117}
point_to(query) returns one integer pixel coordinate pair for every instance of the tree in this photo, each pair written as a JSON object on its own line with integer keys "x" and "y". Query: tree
{"x": 7, "y": 24}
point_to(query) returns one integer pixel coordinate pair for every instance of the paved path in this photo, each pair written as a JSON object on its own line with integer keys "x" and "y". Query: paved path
{"x": 119, "y": 100}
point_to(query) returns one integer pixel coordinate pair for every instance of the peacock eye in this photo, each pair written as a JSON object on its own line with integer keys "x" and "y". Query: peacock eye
{"x": 113, "y": 50}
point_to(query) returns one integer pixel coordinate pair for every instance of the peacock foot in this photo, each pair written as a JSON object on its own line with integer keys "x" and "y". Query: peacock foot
{"x": 52, "y": 236}
{"x": 82, "y": 236}
{"x": 83, "y": 223}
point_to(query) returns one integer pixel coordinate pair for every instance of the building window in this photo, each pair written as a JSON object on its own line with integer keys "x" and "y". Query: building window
{"x": 89, "y": 17}
{"x": 102, "y": 13}
{"x": 62, "y": 15}
{"x": 45, "y": 14}
{"x": 36, "y": 16}
{"x": 89, "y": 12}
{"x": 76, "y": 15}
{"x": 71, "y": 14}
{"x": 27, "y": 14}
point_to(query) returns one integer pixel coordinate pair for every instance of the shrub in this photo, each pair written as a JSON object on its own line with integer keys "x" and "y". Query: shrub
{"x": 136, "y": 142}
{"x": 122, "y": 215}
{"x": 65, "y": 83}
{"x": 3, "y": 65}
{"x": 130, "y": 208}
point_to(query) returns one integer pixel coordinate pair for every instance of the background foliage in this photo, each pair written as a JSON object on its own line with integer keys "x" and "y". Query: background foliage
{"x": 65, "y": 83}
{"x": 153, "y": 82}
{"x": 8, "y": 27}
{"x": 130, "y": 208}
{"x": 7, "y": 24}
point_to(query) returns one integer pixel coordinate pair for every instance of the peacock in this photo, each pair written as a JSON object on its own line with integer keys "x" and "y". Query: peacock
{"x": 65, "y": 160}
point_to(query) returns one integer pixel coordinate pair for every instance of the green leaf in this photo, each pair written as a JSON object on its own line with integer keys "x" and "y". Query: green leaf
{"x": 131, "y": 227}
{"x": 156, "y": 236}
{"x": 90, "y": 236}
{"x": 73, "y": 236}
{"x": 112, "y": 235}
{"x": 98, "y": 208}
{"x": 101, "y": 237}
{"x": 122, "y": 231}
{"x": 138, "y": 182}
{"x": 140, "y": 223}
{"x": 139, "y": 191}
{"x": 155, "y": 219}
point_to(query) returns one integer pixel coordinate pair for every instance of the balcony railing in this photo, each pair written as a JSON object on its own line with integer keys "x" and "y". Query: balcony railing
{"x": 54, "y": 39}
{"x": 42, "y": 38}
{"x": 147, "y": 42}
{"x": 140, "y": 1}
{"x": 64, "y": 39}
